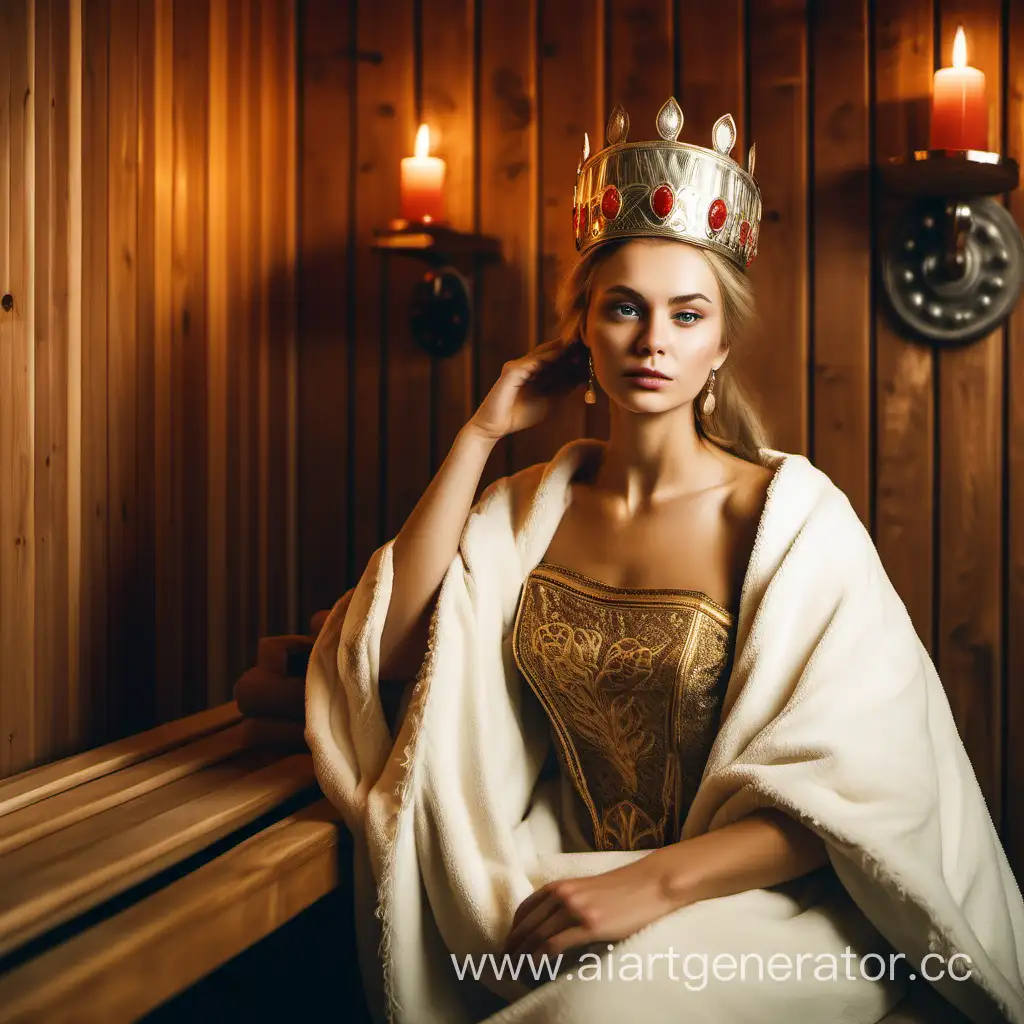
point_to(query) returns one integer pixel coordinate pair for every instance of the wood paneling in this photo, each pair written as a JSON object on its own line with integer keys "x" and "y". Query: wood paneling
{"x": 326, "y": 301}
{"x": 448, "y": 103}
{"x": 777, "y": 365}
{"x": 508, "y": 200}
{"x": 904, "y": 465}
{"x": 18, "y": 744}
{"x": 570, "y": 102}
{"x": 122, "y": 188}
{"x": 840, "y": 270}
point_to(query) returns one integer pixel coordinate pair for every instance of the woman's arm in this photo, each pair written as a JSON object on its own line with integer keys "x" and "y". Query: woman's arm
{"x": 423, "y": 550}
{"x": 768, "y": 847}
{"x": 428, "y": 541}
{"x": 763, "y": 849}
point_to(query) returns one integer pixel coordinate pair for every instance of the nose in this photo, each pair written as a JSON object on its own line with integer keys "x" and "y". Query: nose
{"x": 651, "y": 341}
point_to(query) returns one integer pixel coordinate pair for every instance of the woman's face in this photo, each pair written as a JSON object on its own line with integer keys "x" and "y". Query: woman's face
{"x": 654, "y": 304}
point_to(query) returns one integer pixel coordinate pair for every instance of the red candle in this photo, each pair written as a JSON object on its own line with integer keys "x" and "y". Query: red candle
{"x": 959, "y": 110}
{"x": 423, "y": 183}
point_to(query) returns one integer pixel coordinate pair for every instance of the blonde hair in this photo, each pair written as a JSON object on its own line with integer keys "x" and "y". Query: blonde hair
{"x": 735, "y": 426}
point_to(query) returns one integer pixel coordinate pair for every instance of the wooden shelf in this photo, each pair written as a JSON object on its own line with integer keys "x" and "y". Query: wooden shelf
{"x": 434, "y": 240}
{"x": 951, "y": 174}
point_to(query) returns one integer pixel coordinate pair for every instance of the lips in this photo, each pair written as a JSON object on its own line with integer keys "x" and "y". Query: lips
{"x": 647, "y": 373}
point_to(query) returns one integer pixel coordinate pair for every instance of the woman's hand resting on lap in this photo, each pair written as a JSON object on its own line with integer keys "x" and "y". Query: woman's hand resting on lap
{"x": 521, "y": 395}
{"x": 601, "y": 908}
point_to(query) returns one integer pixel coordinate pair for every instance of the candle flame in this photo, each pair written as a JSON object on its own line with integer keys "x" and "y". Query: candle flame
{"x": 960, "y": 49}
{"x": 422, "y": 147}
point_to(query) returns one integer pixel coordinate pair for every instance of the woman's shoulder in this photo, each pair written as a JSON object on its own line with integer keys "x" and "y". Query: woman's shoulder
{"x": 748, "y": 490}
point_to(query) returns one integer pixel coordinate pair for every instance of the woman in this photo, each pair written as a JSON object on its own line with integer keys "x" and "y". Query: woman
{"x": 673, "y": 725}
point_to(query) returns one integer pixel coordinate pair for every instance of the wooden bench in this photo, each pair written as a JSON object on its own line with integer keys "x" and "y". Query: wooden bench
{"x": 131, "y": 872}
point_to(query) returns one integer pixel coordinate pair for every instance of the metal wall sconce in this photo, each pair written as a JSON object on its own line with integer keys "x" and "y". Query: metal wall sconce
{"x": 954, "y": 268}
{"x": 441, "y": 309}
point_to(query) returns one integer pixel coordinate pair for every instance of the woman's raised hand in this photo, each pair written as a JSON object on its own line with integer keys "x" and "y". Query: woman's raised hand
{"x": 521, "y": 395}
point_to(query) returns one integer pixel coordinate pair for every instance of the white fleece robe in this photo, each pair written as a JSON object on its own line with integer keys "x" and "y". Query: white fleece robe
{"x": 833, "y": 713}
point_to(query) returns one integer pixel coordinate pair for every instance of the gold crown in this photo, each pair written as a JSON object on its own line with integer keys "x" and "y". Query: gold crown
{"x": 668, "y": 189}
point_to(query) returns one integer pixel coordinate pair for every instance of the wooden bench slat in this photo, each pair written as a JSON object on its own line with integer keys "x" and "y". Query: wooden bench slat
{"x": 62, "y": 889}
{"x": 66, "y": 844}
{"x": 39, "y": 783}
{"x": 44, "y": 817}
{"x": 125, "y": 966}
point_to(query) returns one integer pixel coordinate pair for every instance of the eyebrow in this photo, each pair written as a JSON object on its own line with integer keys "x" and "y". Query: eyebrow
{"x": 677, "y": 300}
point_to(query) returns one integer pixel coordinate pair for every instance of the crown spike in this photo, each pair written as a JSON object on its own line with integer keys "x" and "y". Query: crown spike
{"x": 724, "y": 134}
{"x": 670, "y": 120}
{"x": 586, "y": 149}
{"x": 750, "y": 159}
{"x": 618, "y": 126}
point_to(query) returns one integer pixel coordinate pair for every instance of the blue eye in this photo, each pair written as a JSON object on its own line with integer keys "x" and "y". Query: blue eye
{"x": 626, "y": 309}
{"x": 696, "y": 317}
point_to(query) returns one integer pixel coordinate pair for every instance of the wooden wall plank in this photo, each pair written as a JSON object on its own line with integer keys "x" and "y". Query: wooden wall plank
{"x": 712, "y": 78}
{"x": 570, "y": 102}
{"x": 54, "y": 727}
{"x": 407, "y": 369}
{"x": 11, "y": 653}
{"x": 152, "y": 266}
{"x": 1013, "y": 551}
{"x": 447, "y": 76}
{"x": 276, "y": 286}
{"x": 17, "y": 552}
{"x": 383, "y": 136}
{"x": 328, "y": 112}
{"x": 904, "y": 370}
{"x": 129, "y": 705}
{"x": 45, "y": 367}
{"x": 94, "y": 598}
{"x": 970, "y": 464}
{"x": 287, "y": 100}
{"x": 49, "y": 430}
{"x": 77, "y": 712}
{"x": 841, "y": 264}
{"x": 166, "y": 452}
{"x": 249, "y": 331}
{"x": 217, "y": 354}
{"x": 508, "y": 197}
{"x": 261, "y": 395}
{"x": 236, "y": 650}
{"x": 640, "y": 50}
{"x": 189, "y": 394}
{"x": 779, "y": 128}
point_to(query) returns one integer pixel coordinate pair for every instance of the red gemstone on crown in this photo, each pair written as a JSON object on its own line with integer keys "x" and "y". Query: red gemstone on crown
{"x": 611, "y": 202}
{"x": 717, "y": 214}
{"x": 744, "y": 233}
{"x": 662, "y": 201}
{"x": 583, "y": 221}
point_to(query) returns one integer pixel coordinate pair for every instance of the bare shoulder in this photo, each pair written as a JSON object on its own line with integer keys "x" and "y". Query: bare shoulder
{"x": 748, "y": 493}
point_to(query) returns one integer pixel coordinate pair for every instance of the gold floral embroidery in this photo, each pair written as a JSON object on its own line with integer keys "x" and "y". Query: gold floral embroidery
{"x": 632, "y": 681}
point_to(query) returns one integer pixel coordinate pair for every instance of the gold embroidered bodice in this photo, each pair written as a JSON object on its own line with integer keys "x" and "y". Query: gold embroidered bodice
{"x": 632, "y": 682}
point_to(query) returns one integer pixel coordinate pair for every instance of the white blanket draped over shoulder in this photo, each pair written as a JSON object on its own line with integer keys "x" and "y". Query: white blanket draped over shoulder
{"x": 833, "y": 712}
